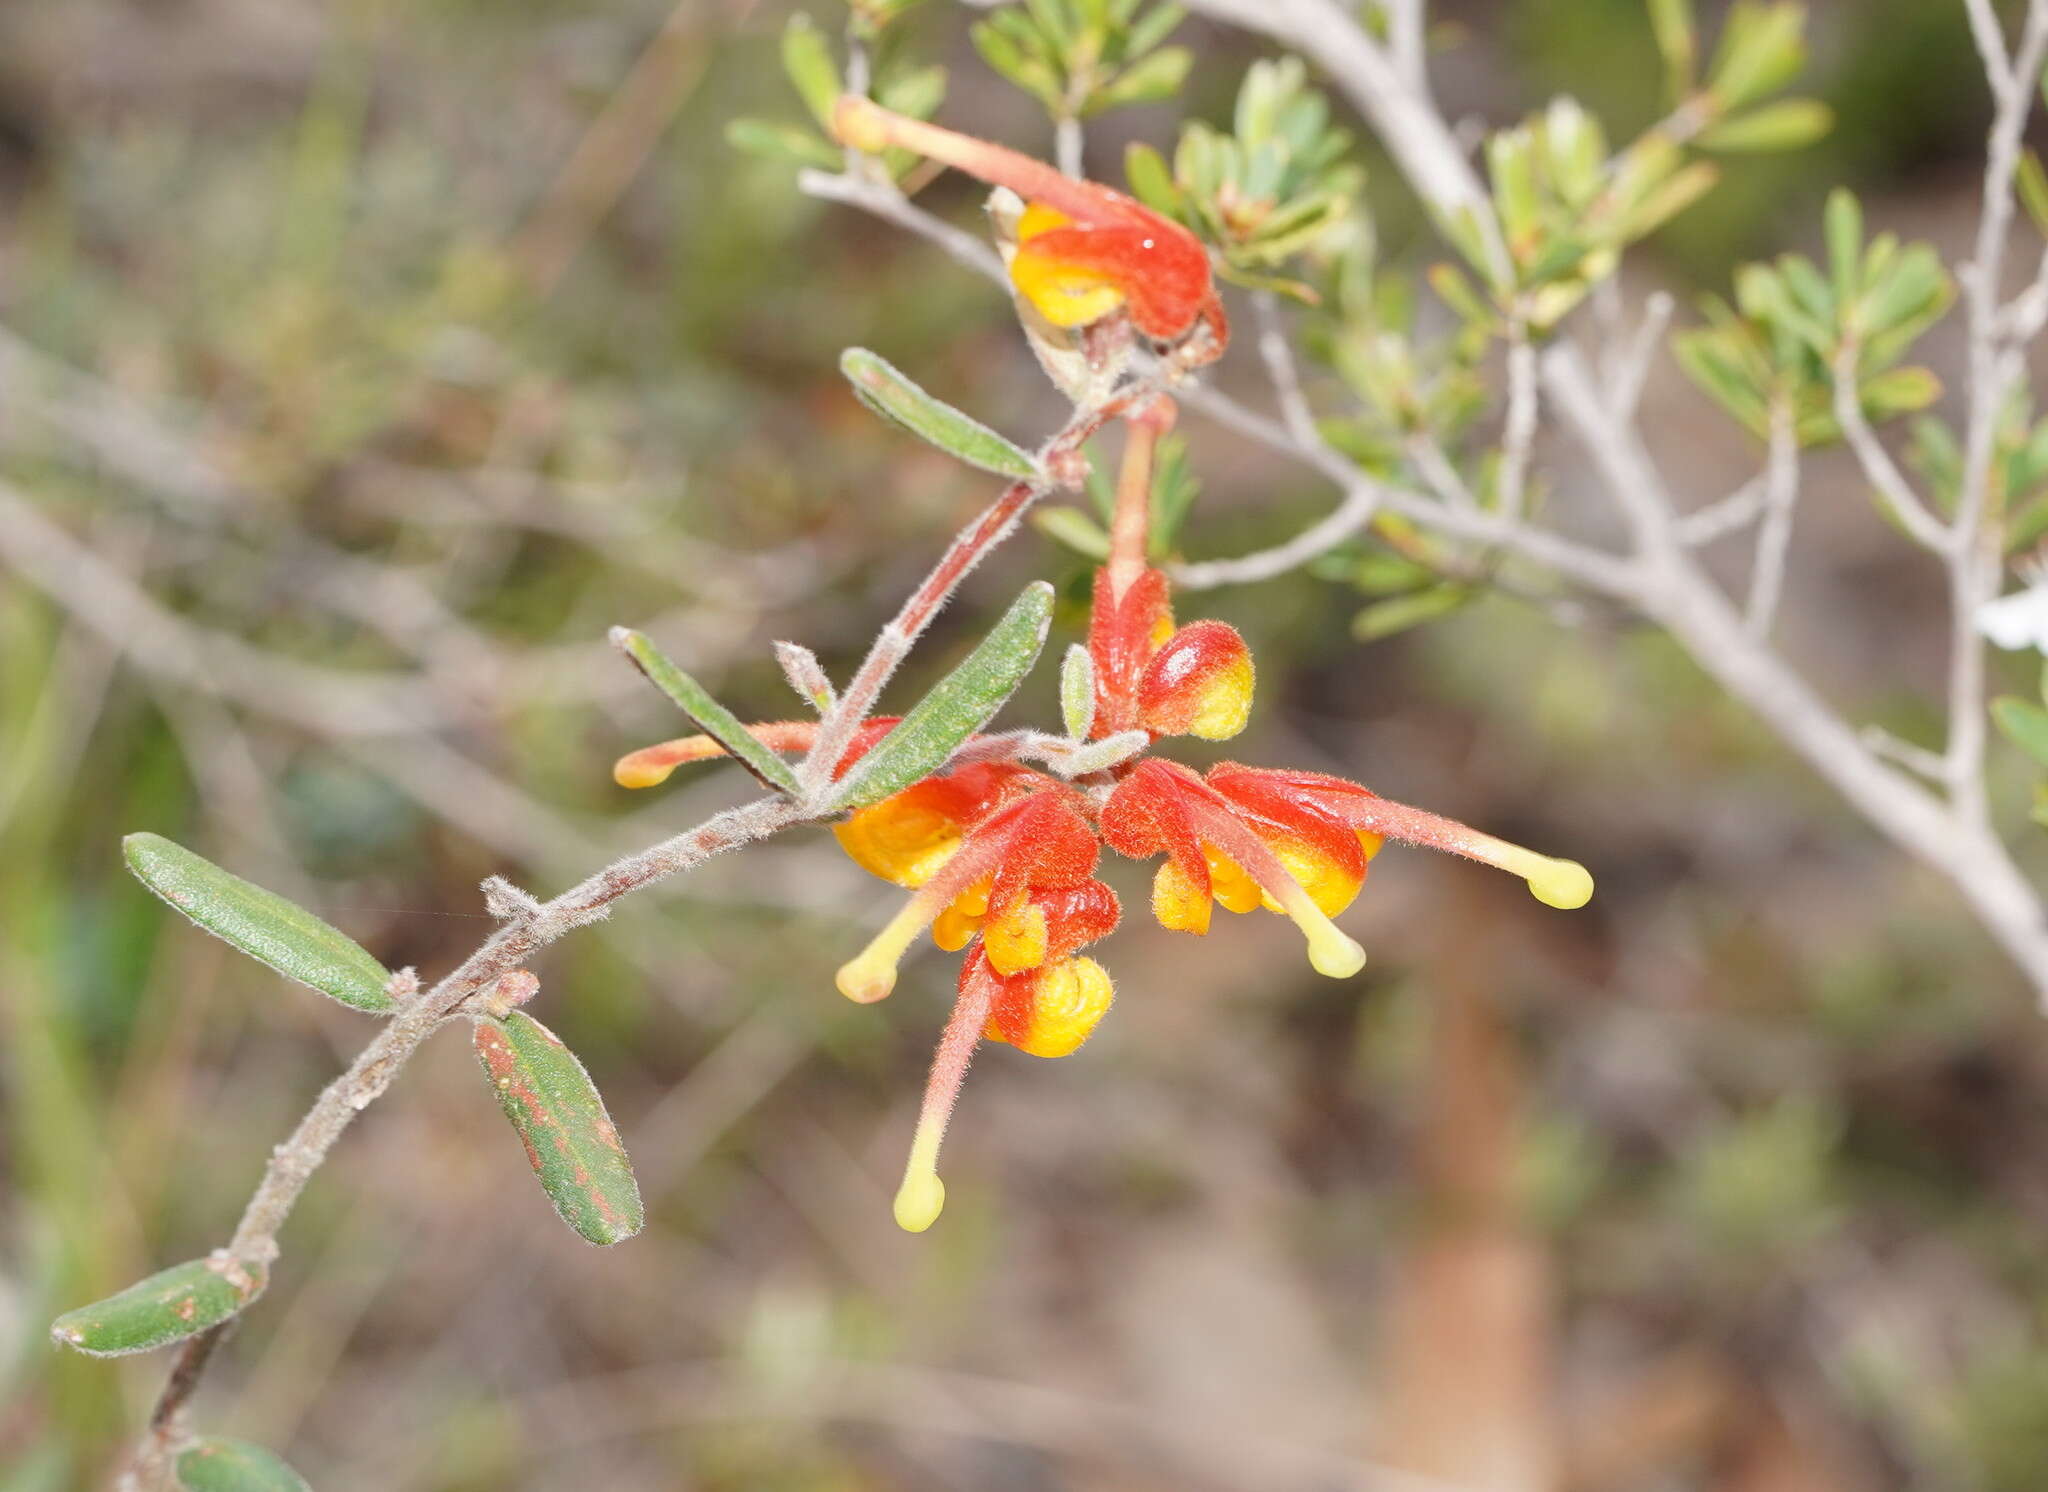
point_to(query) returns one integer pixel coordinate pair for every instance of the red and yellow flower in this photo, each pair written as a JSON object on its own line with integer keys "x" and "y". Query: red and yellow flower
{"x": 1000, "y": 859}
{"x": 1084, "y": 252}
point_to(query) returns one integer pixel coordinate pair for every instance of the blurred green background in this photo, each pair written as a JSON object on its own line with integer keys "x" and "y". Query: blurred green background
{"x": 321, "y": 344}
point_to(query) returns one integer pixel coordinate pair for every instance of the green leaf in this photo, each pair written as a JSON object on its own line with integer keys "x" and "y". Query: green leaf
{"x": 782, "y": 142}
{"x": 1762, "y": 49}
{"x": 1899, "y": 391}
{"x": 808, "y": 61}
{"x": 261, "y": 923}
{"x": 889, "y": 394}
{"x": 1671, "y": 21}
{"x": 1077, "y": 692}
{"x": 961, "y": 704}
{"x": 713, "y": 718}
{"x": 1668, "y": 200}
{"x": 169, "y": 1306}
{"x": 2033, "y": 185}
{"x": 2024, "y": 723}
{"x": 1074, "y": 529}
{"x": 1842, "y": 224}
{"x": 1789, "y": 124}
{"x": 570, "y": 1139}
{"x": 217, "y": 1464}
{"x": 1399, "y": 613}
{"x": 1150, "y": 179}
{"x": 1150, "y": 80}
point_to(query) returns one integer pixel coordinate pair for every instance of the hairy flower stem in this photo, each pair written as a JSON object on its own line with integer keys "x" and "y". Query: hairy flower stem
{"x": 1130, "y": 528}
{"x": 1058, "y": 459}
{"x": 293, "y": 1163}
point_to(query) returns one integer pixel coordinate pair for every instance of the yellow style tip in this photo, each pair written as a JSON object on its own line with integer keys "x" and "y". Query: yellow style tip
{"x": 866, "y": 980}
{"x": 860, "y": 124}
{"x": 1333, "y": 954}
{"x": 629, "y": 773}
{"x": 1564, "y": 884}
{"x": 919, "y": 1201}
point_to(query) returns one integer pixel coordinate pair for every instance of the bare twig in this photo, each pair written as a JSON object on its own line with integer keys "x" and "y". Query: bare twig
{"x": 1899, "y": 498}
{"x": 1518, "y": 434}
{"x": 1725, "y": 516}
{"x": 1995, "y": 364}
{"x": 1774, "y": 539}
{"x": 1278, "y": 355}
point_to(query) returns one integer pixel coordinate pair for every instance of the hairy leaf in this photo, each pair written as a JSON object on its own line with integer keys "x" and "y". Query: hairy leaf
{"x": 961, "y": 704}
{"x": 570, "y": 1139}
{"x": 695, "y": 701}
{"x": 169, "y": 1306}
{"x": 887, "y": 392}
{"x": 1077, "y": 692}
{"x": 261, "y": 923}
{"x": 217, "y": 1464}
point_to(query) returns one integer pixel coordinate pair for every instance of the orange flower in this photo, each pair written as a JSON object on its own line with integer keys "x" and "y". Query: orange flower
{"x": 1084, "y": 251}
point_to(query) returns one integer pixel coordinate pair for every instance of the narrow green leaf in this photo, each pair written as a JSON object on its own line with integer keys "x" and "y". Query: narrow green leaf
{"x": 570, "y": 1139}
{"x": 1383, "y": 619}
{"x": 782, "y": 142}
{"x": 1077, "y": 692}
{"x": 961, "y": 704}
{"x": 1789, "y": 124}
{"x": 1842, "y": 225}
{"x": 217, "y": 1464}
{"x": 261, "y": 923}
{"x": 808, "y": 61}
{"x": 2024, "y": 723}
{"x": 1671, "y": 22}
{"x": 695, "y": 701}
{"x": 1763, "y": 46}
{"x": 1456, "y": 292}
{"x": 1150, "y": 80}
{"x": 2033, "y": 185}
{"x": 1899, "y": 391}
{"x": 1074, "y": 529}
{"x": 1150, "y": 180}
{"x": 169, "y": 1306}
{"x": 1668, "y": 201}
{"x": 888, "y": 393}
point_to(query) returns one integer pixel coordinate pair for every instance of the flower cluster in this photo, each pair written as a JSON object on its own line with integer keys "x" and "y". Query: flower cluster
{"x": 1001, "y": 858}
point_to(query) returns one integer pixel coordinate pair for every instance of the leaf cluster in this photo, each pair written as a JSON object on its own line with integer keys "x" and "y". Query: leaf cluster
{"x": 1279, "y": 186}
{"x": 1794, "y": 323}
{"x": 1081, "y": 57}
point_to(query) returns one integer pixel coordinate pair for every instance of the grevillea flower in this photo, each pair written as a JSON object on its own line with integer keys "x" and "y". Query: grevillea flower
{"x": 999, "y": 858}
{"x": 1083, "y": 251}
{"x": 1194, "y": 681}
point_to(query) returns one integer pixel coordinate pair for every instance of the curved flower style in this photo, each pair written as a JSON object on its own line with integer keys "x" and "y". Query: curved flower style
{"x": 1084, "y": 251}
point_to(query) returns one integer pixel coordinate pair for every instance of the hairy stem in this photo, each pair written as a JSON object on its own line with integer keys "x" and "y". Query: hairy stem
{"x": 294, "y": 1163}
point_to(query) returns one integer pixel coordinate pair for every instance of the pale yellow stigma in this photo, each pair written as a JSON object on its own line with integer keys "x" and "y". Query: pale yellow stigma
{"x": 1564, "y": 884}
{"x": 919, "y": 1201}
{"x": 922, "y": 1197}
{"x": 870, "y": 975}
{"x": 1330, "y": 951}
